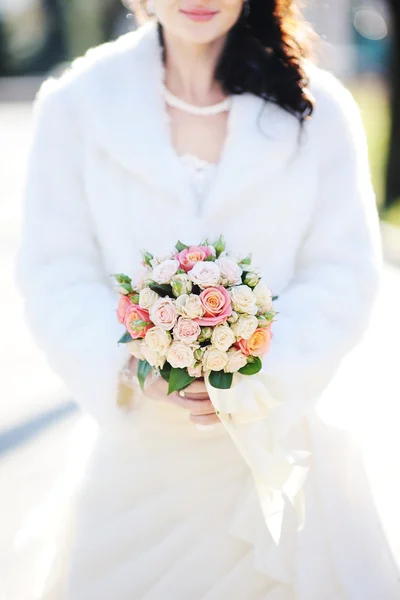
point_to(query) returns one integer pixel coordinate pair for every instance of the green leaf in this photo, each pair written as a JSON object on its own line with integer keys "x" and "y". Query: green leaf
{"x": 274, "y": 298}
{"x": 252, "y": 367}
{"x": 125, "y": 338}
{"x": 144, "y": 369}
{"x": 219, "y": 245}
{"x": 161, "y": 289}
{"x": 180, "y": 246}
{"x": 147, "y": 257}
{"x": 134, "y": 298}
{"x": 127, "y": 287}
{"x": 210, "y": 258}
{"x": 246, "y": 261}
{"x": 165, "y": 371}
{"x": 204, "y": 242}
{"x": 220, "y": 379}
{"x": 178, "y": 380}
{"x": 121, "y": 278}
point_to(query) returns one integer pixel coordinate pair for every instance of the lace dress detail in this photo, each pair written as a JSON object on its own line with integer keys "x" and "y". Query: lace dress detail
{"x": 201, "y": 174}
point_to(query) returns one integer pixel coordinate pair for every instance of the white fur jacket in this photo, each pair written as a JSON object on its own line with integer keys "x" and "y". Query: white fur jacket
{"x": 104, "y": 182}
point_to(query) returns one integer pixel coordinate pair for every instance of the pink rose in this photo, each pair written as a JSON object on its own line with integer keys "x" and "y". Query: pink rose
{"x": 190, "y": 256}
{"x": 124, "y": 303}
{"x": 217, "y": 306}
{"x": 137, "y": 321}
{"x": 258, "y": 344}
{"x": 163, "y": 313}
{"x": 186, "y": 331}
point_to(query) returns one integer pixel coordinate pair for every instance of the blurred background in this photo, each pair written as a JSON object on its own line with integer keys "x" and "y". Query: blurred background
{"x": 42, "y": 434}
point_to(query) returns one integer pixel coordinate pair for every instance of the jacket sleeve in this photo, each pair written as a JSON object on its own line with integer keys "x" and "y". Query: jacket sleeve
{"x": 326, "y": 308}
{"x": 69, "y": 301}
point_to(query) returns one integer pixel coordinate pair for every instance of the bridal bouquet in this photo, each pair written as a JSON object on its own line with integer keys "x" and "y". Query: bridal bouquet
{"x": 196, "y": 312}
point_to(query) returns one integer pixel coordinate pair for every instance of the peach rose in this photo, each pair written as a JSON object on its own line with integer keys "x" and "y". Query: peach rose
{"x": 163, "y": 313}
{"x": 258, "y": 344}
{"x": 190, "y": 256}
{"x": 186, "y": 331}
{"x": 216, "y": 303}
{"x": 137, "y": 321}
{"x": 124, "y": 303}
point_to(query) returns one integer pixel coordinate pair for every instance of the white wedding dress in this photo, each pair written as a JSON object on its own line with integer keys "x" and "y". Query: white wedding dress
{"x": 173, "y": 513}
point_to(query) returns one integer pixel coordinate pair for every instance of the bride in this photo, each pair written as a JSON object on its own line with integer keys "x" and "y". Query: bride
{"x": 208, "y": 119}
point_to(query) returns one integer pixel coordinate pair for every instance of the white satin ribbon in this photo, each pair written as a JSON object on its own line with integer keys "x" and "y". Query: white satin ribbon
{"x": 279, "y": 472}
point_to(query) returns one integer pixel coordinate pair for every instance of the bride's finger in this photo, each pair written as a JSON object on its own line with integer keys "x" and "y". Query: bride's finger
{"x": 196, "y": 387}
{"x": 204, "y": 419}
{"x": 200, "y": 396}
{"x": 192, "y": 405}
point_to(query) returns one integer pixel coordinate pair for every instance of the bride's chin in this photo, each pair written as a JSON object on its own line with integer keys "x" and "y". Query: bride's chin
{"x": 200, "y": 33}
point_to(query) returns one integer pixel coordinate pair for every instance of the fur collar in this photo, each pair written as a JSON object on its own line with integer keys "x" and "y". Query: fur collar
{"x": 117, "y": 96}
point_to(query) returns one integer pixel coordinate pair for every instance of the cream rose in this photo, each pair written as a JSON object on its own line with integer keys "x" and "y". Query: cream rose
{"x": 245, "y": 326}
{"x": 156, "y": 359}
{"x": 205, "y": 274}
{"x": 180, "y": 355}
{"x": 186, "y": 331}
{"x": 147, "y": 297}
{"x": 189, "y": 306}
{"x": 243, "y": 300}
{"x": 195, "y": 371}
{"x": 231, "y": 273}
{"x": 223, "y": 337}
{"x": 236, "y": 360}
{"x": 158, "y": 339}
{"x": 263, "y": 297}
{"x": 163, "y": 313}
{"x": 214, "y": 359}
{"x": 134, "y": 348}
{"x": 164, "y": 272}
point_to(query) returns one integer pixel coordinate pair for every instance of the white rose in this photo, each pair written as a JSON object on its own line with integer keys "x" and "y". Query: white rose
{"x": 195, "y": 371}
{"x": 214, "y": 359}
{"x": 189, "y": 306}
{"x": 186, "y": 330}
{"x": 205, "y": 274}
{"x": 141, "y": 277}
{"x": 223, "y": 337}
{"x": 263, "y": 297}
{"x": 236, "y": 360}
{"x": 164, "y": 272}
{"x": 147, "y": 297}
{"x": 180, "y": 355}
{"x": 158, "y": 339}
{"x": 156, "y": 359}
{"x": 163, "y": 313}
{"x": 134, "y": 348}
{"x": 231, "y": 273}
{"x": 243, "y": 299}
{"x": 245, "y": 326}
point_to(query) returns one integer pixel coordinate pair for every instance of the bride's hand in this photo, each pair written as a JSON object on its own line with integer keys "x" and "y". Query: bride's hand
{"x": 195, "y": 400}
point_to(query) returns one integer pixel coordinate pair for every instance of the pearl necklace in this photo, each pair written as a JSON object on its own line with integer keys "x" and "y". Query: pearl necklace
{"x": 203, "y": 111}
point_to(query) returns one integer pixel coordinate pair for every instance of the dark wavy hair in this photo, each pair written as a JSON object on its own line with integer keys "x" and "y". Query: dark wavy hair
{"x": 263, "y": 55}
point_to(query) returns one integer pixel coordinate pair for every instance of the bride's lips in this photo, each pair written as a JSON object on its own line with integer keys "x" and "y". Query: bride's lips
{"x": 199, "y": 14}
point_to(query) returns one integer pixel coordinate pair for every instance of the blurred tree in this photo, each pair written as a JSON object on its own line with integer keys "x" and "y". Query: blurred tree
{"x": 393, "y": 165}
{"x": 84, "y": 25}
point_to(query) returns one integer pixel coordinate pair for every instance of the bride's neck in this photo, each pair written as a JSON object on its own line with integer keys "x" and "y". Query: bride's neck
{"x": 190, "y": 69}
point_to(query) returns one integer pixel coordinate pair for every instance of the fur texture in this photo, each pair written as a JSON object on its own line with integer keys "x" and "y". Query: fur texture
{"x": 104, "y": 182}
